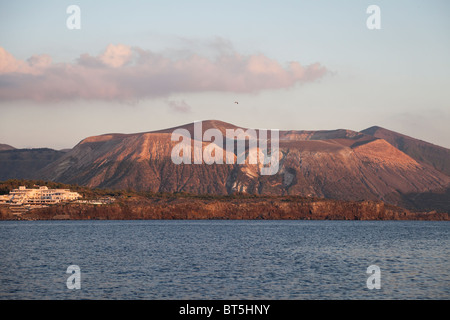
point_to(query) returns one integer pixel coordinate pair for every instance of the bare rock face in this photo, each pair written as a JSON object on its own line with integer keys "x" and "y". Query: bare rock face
{"x": 424, "y": 152}
{"x": 336, "y": 164}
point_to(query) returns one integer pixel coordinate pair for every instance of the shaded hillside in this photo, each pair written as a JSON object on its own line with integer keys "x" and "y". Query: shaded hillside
{"x": 438, "y": 200}
{"x": 25, "y": 163}
{"x": 436, "y": 156}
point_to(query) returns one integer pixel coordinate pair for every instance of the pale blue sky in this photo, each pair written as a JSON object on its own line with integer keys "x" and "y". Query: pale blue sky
{"x": 396, "y": 77}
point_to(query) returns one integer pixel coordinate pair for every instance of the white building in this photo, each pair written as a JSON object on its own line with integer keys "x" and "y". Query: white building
{"x": 43, "y": 195}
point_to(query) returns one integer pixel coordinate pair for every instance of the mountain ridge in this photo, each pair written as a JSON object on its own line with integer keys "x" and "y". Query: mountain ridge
{"x": 4, "y": 147}
{"x": 335, "y": 164}
{"x": 431, "y": 154}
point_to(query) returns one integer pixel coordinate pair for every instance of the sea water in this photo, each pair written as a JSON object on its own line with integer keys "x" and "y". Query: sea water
{"x": 212, "y": 259}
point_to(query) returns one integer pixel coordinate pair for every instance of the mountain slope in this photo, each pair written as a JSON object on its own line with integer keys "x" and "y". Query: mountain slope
{"x": 25, "y": 163}
{"x": 340, "y": 164}
{"x": 436, "y": 156}
{"x": 4, "y": 147}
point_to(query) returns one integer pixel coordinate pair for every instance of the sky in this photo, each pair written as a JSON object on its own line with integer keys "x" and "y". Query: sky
{"x": 139, "y": 66}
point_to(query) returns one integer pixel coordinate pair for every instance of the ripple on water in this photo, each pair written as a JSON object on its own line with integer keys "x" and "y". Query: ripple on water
{"x": 224, "y": 259}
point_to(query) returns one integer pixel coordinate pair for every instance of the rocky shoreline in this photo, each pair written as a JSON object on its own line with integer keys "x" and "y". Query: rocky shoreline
{"x": 250, "y": 208}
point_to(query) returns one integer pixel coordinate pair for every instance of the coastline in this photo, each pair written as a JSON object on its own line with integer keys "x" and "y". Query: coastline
{"x": 223, "y": 208}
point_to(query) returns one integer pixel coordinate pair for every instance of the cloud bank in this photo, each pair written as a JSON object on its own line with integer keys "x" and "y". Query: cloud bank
{"x": 124, "y": 73}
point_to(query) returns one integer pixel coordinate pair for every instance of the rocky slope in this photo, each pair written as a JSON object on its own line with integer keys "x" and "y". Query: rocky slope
{"x": 424, "y": 152}
{"x": 338, "y": 164}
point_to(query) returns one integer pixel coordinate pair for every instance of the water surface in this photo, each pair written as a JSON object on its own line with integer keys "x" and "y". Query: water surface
{"x": 224, "y": 259}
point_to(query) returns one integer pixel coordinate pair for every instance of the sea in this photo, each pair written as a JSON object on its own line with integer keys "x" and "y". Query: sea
{"x": 224, "y": 259}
